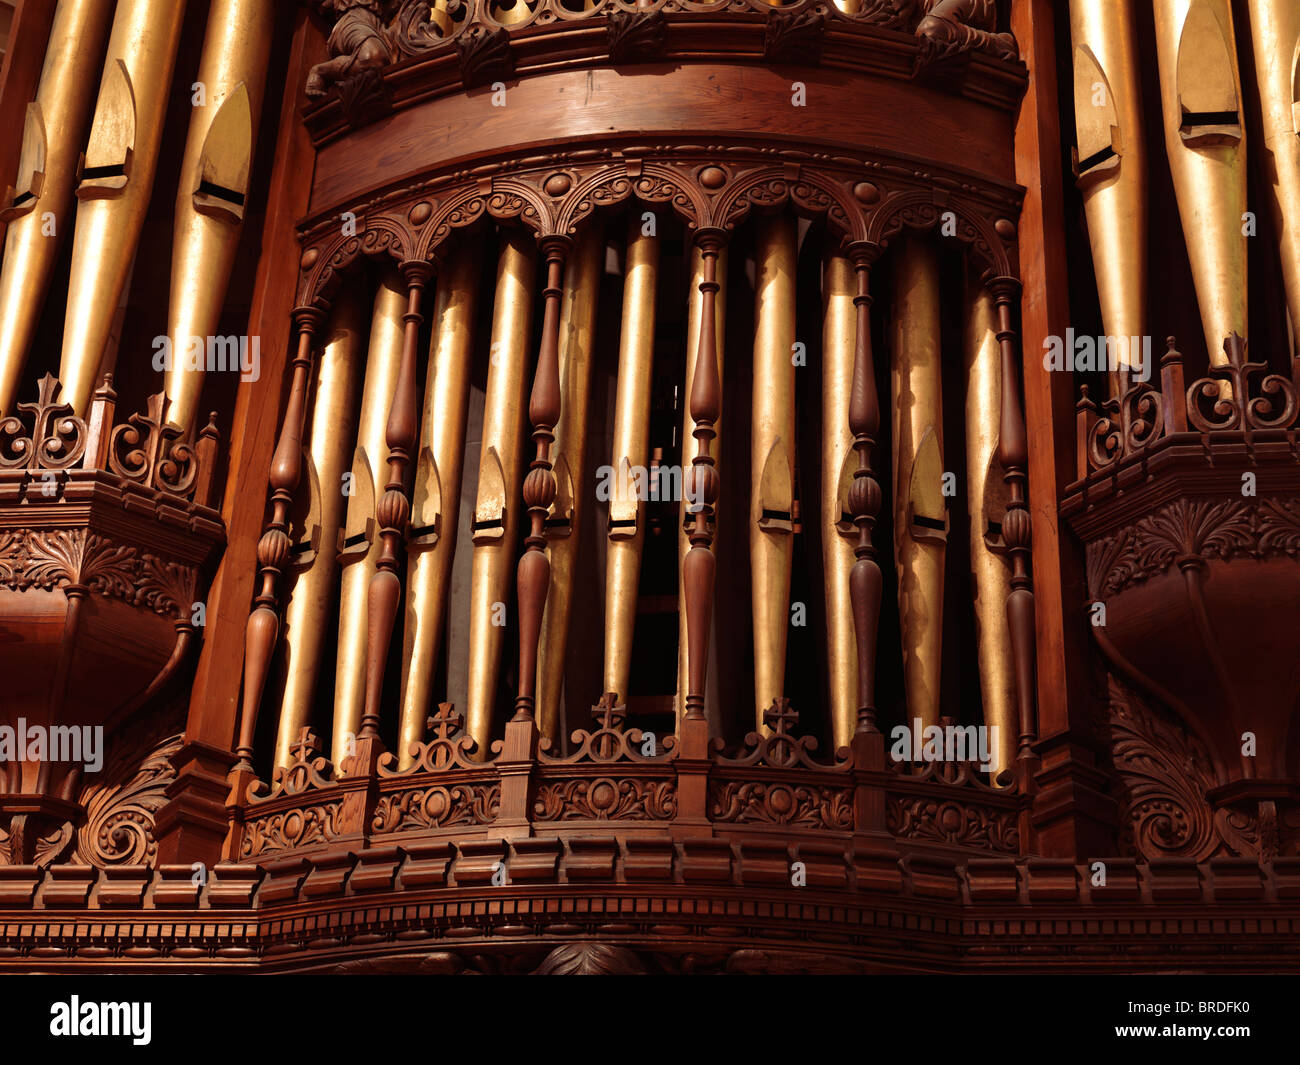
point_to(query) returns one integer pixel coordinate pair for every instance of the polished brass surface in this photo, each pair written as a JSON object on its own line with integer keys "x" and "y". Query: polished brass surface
{"x": 695, "y": 302}
{"x": 771, "y": 499}
{"x": 436, "y": 500}
{"x": 577, "y": 337}
{"x": 839, "y": 334}
{"x": 47, "y": 172}
{"x": 498, "y": 506}
{"x": 214, "y": 184}
{"x": 1200, "y": 91}
{"x": 631, "y": 449}
{"x": 1111, "y": 162}
{"x": 1275, "y": 26}
{"x": 121, "y": 159}
{"x": 990, "y": 573}
{"x": 917, "y": 429}
{"x": 369, "y": 472}
{"x": 329, "y": 448}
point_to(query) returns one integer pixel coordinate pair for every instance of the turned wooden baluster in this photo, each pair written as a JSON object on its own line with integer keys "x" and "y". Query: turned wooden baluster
{"x": 394, "y": 508}
{"x": 1013, "y": 452}
{"x": 864, "y": 495}
{"x": 273, "y": 548}
{"x": 702, "y": 483}
{"x": 534, "y": 574}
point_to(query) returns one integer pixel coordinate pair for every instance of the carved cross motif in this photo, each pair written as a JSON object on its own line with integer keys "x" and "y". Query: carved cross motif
{"x": 780, "y": 717}
{"x": 446, "y": 722}
{"x": 306, "y": 747}
{"x": 609, "y": 712}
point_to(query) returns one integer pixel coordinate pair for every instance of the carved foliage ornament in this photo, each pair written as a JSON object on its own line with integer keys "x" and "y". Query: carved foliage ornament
{"x": 368, "y": 35}
{"x": 56, "y": 558}
{"x": 1192, "y": 528}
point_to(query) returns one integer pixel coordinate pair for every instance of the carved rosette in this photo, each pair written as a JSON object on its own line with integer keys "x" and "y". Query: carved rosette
{"x": 814, "y": 806}
{"x": 436, "y": 807}
{"x": 606, "y": 799}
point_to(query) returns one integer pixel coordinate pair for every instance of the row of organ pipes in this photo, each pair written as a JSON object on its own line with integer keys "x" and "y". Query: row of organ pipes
{"x": 456, "y": 595}
{"x": 87, "y": 165}
{"x": 1204, "y": 120}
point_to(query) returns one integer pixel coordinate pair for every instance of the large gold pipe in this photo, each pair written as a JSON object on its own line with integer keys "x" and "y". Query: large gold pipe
{"x": 120, "y": 161}
{"x": 329, "y": 449}
{"x": 771, "y": 456}
{"x": 631, "y": 450}
{"x": 694, "y": 317}
{"x": 215, "y": 172}
{"x": 839, "y": 334}
{"x": 989, "y": 571}
{"x": 361, "y": 547}
{"x": 577, "y": 337}
{"x": 1275, "y": 25}
{"x": 500, "y": 480}
{"x": 1111, "y": 161}
{"x": 1205, "y": 137}
{"x": 920, "y": 513}
{"x": 436, "y": 499}
{"x": 38, "y": 211}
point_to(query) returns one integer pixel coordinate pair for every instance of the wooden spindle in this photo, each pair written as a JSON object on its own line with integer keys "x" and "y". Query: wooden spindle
{"x": 1013, "y": 452}
{"x": 394, "y": 508}
{"x": 534, "y": 575}
{"x": 865, "y": 582}
{"x": 273, "y": 548}
{"x": 702, "y": 483}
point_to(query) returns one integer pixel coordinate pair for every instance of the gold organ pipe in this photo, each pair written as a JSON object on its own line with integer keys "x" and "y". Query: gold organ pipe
{"x": 1275, "y": 25}
{"x": 333, "y": 429}
{"x": 1205, "y": 136}
{"x": 839, "y": 334}
{"x": 497, "y": 507}
{"x": 1111, "y": 161}
{"x": 577, "y": 336}
{"x": 436, "y": 498}
{"x": 214, "y": 182}
{"x": 47, "y": 171}
{"x": 361, "y": 546}
{"x": 771, "y": 498}
{"x": 990, "y": 572}
{"x": 694, "y": 316}
{"x": 920, "y": 523}
{"x": 120, "y": 161}
{"x": 631, "y": 449}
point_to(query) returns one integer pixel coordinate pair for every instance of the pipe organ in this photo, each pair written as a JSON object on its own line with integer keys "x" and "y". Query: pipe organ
{"x": 653, "y": 475}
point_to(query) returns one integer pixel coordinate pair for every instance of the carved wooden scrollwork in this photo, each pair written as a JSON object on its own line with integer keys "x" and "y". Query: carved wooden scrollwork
{"x": 865, "y": 200}
{"x": 366, "y": 36}
{"x": 1165, "y": 773}
{"x": 957, "y": 824}
{"x": 56, "y": 439}
{"x": 120, "y": 809}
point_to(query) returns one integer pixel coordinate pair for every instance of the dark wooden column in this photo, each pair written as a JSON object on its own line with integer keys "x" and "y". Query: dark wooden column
{"x": 1073, "y": 816}
{"x": 192, "y": 825}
